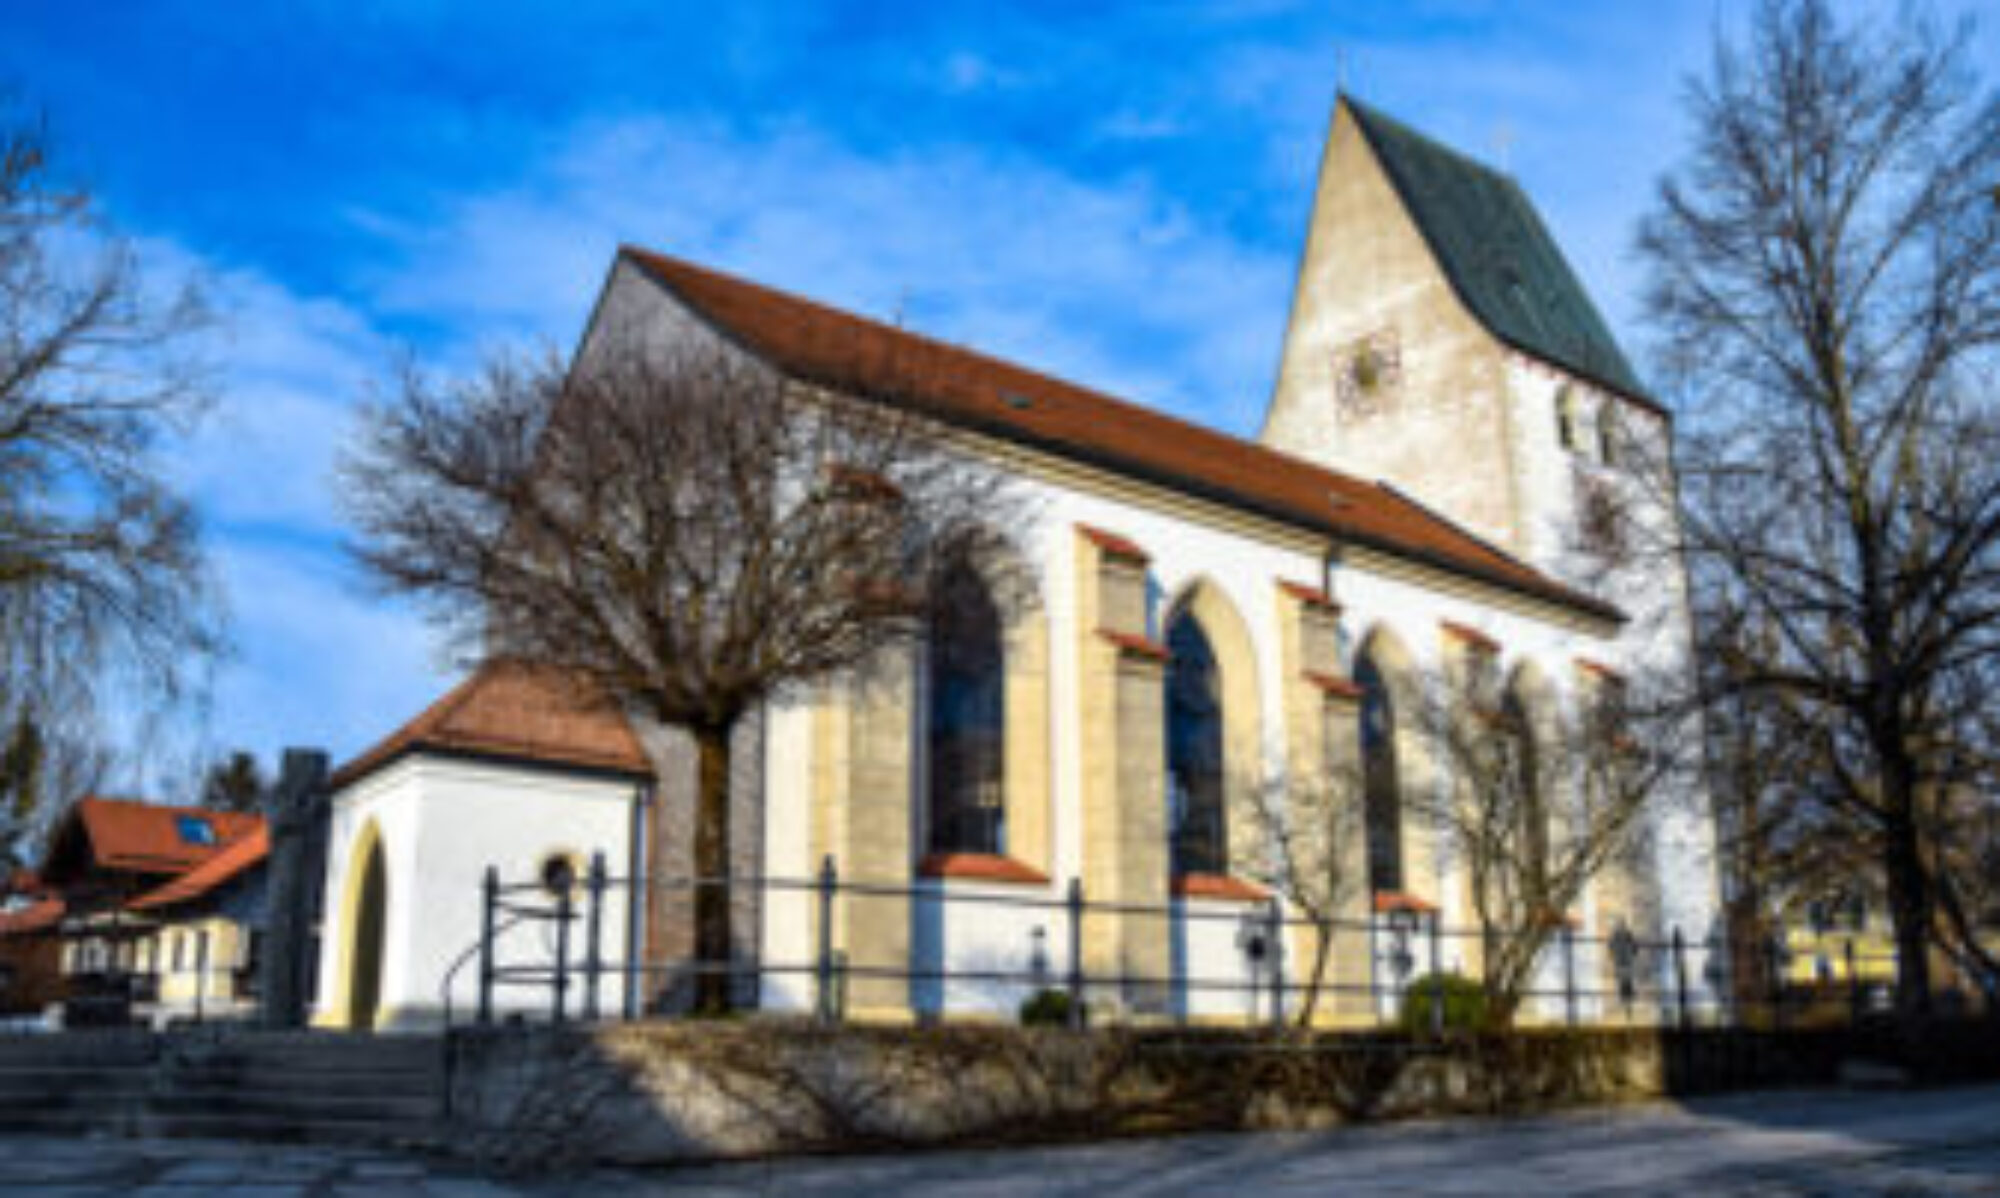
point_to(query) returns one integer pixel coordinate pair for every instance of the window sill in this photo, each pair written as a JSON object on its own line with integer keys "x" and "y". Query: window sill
{"x": 1219, "y": 886}
{"x": 1388, "y": 902}
{"x": 980, "y": 867}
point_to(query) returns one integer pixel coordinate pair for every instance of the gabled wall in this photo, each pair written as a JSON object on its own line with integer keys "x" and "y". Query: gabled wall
{"x": 1438, "y": 430}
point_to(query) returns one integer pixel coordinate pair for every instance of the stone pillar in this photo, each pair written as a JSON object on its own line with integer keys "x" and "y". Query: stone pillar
{"x": 1323, "y": 755}
{"x": 872, "y": 833}
{"x": 296, "y": 810}
{"x": 1122, "y": 693}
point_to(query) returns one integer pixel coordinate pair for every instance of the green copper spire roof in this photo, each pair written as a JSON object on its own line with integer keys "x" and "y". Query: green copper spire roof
{"x": 1499, "y": 257}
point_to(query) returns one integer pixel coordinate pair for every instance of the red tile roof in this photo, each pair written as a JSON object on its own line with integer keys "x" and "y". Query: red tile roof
{"x": 515, "y": 711}
{"x": 849, "y": 353}
{"x": 38, "y": 916}
{"x": 140, "y": 837}
{"x": 231, "y": 862}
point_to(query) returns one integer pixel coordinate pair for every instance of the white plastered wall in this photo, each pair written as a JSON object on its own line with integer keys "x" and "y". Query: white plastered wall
{"x": 1189, "y": 543}
{"x": 441, "y": 821}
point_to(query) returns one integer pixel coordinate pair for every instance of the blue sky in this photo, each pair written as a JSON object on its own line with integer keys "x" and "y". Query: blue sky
{"x": 1112, "y": 192}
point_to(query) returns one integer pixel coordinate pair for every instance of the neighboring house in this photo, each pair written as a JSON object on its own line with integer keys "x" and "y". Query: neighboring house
{"x": 1840, "y": 940}
{"x": 206, "y": 935}
{"x": 104, "y": 858}
{"x": 30, "y": 946}
{"x": 1208, "y": 615}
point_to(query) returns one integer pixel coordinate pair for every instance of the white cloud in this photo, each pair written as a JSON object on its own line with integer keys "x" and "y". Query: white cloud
{"x": 1111, "y": 282}
{"x": 322, "y": 663}
{"x": 317, "y": 661}
{"x": 964, "y": 72}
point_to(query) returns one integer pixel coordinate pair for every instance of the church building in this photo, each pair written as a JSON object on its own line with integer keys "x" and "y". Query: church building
{"x": 1207, "y": 617}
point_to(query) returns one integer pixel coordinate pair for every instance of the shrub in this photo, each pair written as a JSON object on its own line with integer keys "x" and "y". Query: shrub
{"x": 1465, "y": 1005}
{"x": 1046, "y": 1008}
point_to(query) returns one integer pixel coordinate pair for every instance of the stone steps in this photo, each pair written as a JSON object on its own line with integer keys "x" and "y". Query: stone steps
{"x": 238, "y": 1084}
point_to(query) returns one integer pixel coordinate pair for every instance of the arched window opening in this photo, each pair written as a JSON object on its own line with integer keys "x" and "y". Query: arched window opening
{"x": 1194, "y": 751}
{"x": 1607, "y": 433}
{"x": 1380, "y": 782}
{"x": 967, "y": 718}
{"x": 1566, "y": 417}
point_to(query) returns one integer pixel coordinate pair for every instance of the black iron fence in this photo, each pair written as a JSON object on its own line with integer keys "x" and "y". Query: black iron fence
{"x": 548, "y": 950}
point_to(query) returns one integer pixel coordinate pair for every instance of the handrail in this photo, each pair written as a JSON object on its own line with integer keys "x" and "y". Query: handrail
{"x": 458, "y": 963}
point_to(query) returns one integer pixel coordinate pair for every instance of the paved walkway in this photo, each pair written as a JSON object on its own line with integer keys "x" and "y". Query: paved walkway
{"x": 1937, "y": 1142}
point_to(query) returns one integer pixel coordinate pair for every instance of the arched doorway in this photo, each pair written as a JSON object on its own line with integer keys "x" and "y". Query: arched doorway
{"x": 366, "y": 911}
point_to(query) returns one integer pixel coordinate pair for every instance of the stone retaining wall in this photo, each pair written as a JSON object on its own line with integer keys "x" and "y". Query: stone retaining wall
{"x": 707, "y": 1091}
{"x": 536, "y": 1098}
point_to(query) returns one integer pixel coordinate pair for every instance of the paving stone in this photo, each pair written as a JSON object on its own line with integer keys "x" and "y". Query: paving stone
{"x": 1764, "y": 1146}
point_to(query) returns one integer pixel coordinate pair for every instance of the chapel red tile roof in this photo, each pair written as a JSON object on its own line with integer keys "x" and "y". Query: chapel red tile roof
{"x": 140, "y": 837}
{"x": 839, "y": 350}
{"x": 515, "y": 711}
{"x": 230, "y": 863}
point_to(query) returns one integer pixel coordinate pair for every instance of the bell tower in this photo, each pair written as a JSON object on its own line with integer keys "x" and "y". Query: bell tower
{"x": 1434, "y": 325}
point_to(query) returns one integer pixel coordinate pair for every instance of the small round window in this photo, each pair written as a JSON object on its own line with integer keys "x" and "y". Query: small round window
{"x": 559, "y": 872}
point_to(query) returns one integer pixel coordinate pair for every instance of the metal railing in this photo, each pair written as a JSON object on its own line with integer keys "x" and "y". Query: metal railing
{"x": 1624, "y": 978}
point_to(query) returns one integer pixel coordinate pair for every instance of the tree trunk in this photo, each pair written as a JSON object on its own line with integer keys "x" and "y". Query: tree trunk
{"x": 1322, "y": 950}
{"x": 1910, "y": 903}
{"x": 713, "y": 949}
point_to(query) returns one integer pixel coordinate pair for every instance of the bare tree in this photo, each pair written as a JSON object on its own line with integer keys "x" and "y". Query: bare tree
{"x": 233, "y": 783}
{"x": 1826, "y": 273}
{"x": 101, "y": 573}
{"x": 1305, "y": 849}
{"x": 686, "y": 526}
{"x": 1537, "y": 805}
{"x": 46, "y": 763}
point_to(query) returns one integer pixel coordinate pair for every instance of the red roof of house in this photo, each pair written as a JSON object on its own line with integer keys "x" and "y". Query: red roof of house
{"x": 517, "y": 712}
{"x": 139, "y": 837}
{"x": 38, "y": 916}
{"x": 231, "y": 862}
{"x": 849, "y": 353}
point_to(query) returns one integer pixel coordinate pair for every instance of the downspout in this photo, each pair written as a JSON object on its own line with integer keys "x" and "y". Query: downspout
{"x": 1329, "y": 561}
{"x": 637, "y": 888}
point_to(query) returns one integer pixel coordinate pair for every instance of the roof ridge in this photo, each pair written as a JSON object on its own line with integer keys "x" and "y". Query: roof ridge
{"x": 815, "y": 342}
{"x": 517, "y": 685}
{"x": 1369, "y": 112}
{"x": 1145, "y": 410}
{"x": 1557, "y": 321}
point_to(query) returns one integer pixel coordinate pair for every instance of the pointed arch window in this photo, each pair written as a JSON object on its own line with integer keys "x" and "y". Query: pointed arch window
{"x": 1607, "y": 433}
{"x": 967, "y": 724}
{"x": 1381, "y": 783}
{"x": 1195, "y": 815}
